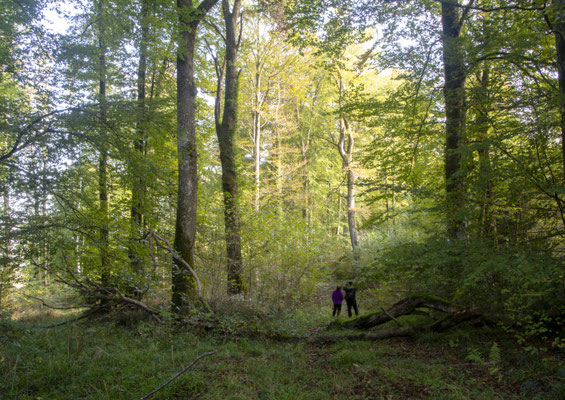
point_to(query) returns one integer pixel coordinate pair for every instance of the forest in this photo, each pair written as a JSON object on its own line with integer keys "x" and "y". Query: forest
{"x": 185, "y": 184}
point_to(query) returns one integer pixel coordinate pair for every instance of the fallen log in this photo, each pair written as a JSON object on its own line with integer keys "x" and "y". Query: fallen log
{"x": 449, "y": 321}
{"x": 407, "y": 306}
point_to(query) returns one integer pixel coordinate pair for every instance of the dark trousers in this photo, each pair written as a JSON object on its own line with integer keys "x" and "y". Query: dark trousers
{"x": 351, "y": 303}
{"x": 337, "y": 310}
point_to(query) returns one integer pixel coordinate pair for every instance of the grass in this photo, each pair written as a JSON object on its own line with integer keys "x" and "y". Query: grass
{"x": 107, "y": 360}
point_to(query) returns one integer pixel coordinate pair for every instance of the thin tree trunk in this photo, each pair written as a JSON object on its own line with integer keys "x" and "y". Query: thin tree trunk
{"x": 6, "y": 246}
{"x": 257, "y": 136}
{"x": 339, "y": 200}
{"x": 277, "y": 129}
{"x": 558, "y": 27}
{"x": 345, "y": 147}
{"x": 225, "y": 130}
{"x": 454, "y": 96}
{"x": 486, "y": 186}
{"x": 183, "y": 284}
{"x": 140, "y": 144}
{"x": 103, "y": 156}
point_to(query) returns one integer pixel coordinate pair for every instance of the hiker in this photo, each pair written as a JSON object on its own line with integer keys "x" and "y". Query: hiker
{"x": 337, "y": 297}
{"x": 350, "y": 298}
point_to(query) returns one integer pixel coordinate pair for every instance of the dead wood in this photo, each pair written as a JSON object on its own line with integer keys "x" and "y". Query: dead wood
{"x": 165, "y": 245}
{"x": 407, "y": 306}
{"x": 441, "y": 325}
{"x": 178, "y": 374}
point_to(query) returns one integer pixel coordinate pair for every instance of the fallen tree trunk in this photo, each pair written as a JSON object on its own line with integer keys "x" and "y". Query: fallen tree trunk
{"x": 449, "y": 321}
{"x": 406, "y": 306}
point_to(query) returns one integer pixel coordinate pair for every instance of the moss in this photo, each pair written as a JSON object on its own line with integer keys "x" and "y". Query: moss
{"x": 431, "y": 298}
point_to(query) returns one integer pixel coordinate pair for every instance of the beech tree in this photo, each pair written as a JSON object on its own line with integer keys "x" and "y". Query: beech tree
{"x": 226, "y": 120}
{"x": 189, "y": 17}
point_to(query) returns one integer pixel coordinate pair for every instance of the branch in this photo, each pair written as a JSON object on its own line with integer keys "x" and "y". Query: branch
{"x": 394, "y": 319}
{"x": 139, "y": 304}
{"x": 50, "y": 306}
{"x": 491, "y": 9}
{"x": 206, "y": 6}
{"x": 216, "y": 28}
{"x": 75, "y": 319}
{"x": 166, "y": 246}
{"x": 464, "y": 14}
{"x": 178, "y": 374}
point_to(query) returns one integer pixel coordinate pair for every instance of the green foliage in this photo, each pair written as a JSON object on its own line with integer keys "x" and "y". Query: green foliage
{"x": 521, "y": 287}
{"x": 64, "y": 363}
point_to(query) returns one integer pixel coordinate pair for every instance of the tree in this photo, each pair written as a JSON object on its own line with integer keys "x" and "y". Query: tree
{"x": 226, "y": 129}
{"x": 452, "y": 21}
{"x": 189, "y": 18}
{"x": 345, "y": 146}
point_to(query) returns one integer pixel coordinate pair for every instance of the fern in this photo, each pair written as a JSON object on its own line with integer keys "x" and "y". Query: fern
{"x": 494, "y": 353}
{"x": 474, "y": 356}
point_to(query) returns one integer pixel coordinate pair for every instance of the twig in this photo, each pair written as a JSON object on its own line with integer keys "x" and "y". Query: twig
{"x": 139, "y": 304}
{"x": 88, "y": 314}
{"x": 50, "y": 306}
{"x": 394, "y": 319}
{"x": 178, "y": 374}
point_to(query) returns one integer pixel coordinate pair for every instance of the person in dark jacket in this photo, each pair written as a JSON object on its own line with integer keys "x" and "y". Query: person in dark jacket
{"x": 337, "y": 297}
{"x": 350, "y": 298}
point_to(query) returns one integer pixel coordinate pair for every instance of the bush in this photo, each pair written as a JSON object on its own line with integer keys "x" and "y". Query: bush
{"x": 521, "y": 287}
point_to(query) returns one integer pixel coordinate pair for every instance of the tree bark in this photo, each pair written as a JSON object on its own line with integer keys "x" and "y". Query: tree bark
{"x": 558, "y": 27}
{"x": 103, "y": 156}
{"x": 345, "y": 147}
{"x": 448, "y": 322}
{"x": 225, "y": 130}
{"x": 183, "y": 285}
{"x": 404, "y": 307}
{"x": 487, "y": 221}
{"x": 256, "y": 128}
{"x": 454, "y": 96}
{"x": 139, "y": 143}
{"x": 5, "y": 260}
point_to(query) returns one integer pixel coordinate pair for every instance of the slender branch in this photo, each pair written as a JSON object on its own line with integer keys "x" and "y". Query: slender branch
{"x": 216, "y": 28}
{"x": 51, "y": 306}
{"x": 491, "y": 9}
{"x": 138, "y": 304}
{"x": 394, "y": 319}
{"x": 164, "y": 244}
{"x": 83, "y": 316}
{"x": 464, "y": 14}
{"x": 178, "y": 374}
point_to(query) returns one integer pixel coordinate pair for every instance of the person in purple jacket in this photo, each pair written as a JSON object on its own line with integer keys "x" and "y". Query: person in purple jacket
{"x": 337, "y": 297}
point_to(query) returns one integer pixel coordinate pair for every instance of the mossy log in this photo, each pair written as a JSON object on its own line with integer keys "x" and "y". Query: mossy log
{"x": 404, "y": 307}
{"x": 449, "y": 321}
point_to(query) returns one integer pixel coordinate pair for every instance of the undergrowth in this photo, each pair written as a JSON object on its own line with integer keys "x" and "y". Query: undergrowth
{"x": 126, "y": 358}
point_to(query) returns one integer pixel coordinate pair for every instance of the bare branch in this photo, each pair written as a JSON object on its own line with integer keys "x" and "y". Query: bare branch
{"x": 491, "y": 9}
{"x": 178, "y": 374}
{"x": 51, "y": 306}
{"x": 139, "y": 304}
{"x": 164, "y": 244}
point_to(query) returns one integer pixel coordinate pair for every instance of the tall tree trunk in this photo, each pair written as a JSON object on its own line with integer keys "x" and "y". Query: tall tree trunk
{"x": 103, "y": 156}
{"x": 345, "y": 147}
{"x": 454, "y": 96}
{"x": 225, "y": 130}
{"x": 347, "y": 157}
{"x": 140, "y": 144}
{"x": 558, "y": 27}
{"x": 487, "y": 222}
{"x": 279, "y": 155}
{"x": 257, "y": 134}
{"x": 6, "y": 255}
{"x": 183, "y": 285}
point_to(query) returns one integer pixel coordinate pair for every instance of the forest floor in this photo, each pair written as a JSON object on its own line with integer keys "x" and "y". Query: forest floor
{"x": 126, "y": 359}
